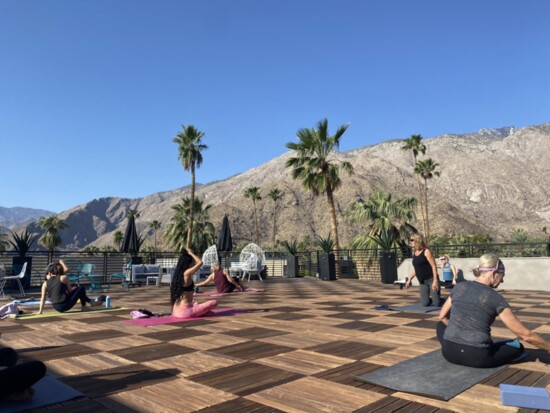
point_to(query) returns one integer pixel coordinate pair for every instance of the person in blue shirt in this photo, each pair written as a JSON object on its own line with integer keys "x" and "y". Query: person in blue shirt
{"x": 448, "y": 271}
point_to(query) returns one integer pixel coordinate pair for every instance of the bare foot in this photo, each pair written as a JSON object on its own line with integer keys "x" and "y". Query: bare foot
{"x": 20, "y": 395}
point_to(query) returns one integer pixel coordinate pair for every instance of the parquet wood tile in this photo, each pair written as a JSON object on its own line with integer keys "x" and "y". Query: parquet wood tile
{"x": 296, "y": 347}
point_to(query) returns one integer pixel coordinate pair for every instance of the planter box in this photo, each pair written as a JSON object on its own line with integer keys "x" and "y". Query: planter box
{"x": 388, "y": 267}
{"x": 292, "y": 269}
{"x": 327, "y": 267}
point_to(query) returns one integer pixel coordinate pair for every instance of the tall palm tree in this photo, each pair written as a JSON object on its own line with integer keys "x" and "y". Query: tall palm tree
{"x": 312, "y": 164}
{"x": 204, "y": 231}
{"x": 118, "y": 236}
{"x": 254, "y": 194}
{"x": 427, "y": 170}
{"x": 189, "y": 153}
{"x": 51, "y": 238}
{"x": 155, "y": 226}
{"x": 415, "y": 145}
{"x": 386, "y": 219}
{"x": 275, "y": 194}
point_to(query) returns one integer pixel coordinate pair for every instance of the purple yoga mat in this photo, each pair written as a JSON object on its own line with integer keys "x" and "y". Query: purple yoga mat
{"x": 155, "y": 321}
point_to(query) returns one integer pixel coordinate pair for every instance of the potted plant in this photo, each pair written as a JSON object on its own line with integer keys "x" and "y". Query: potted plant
{"x": 388, "y": 256}
{"x": 22, "y": 243}
{"x": 325, "y": 259}
{"x": 292, "y": 269}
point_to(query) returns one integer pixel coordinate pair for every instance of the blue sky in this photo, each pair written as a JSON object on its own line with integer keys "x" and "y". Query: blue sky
{"x": 92, "y": 92}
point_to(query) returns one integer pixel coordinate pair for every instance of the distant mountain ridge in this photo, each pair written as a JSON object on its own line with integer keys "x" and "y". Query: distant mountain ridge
{"x": 491, "y": 182}
{"x": 18, "y": 216}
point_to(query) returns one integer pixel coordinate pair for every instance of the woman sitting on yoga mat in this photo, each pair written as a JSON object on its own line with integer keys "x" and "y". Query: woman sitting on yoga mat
{"x": 58, "y": 287}
{"x": 16, "y": 379}
{"x": 467, "y": 315}
{"x": 182, "y": 288}
{"x": 425, "y": 271}
{"x": 223, "y": 281}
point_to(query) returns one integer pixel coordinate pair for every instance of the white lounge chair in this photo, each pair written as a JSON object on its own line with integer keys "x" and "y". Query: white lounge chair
{"x": 4, "y": 279}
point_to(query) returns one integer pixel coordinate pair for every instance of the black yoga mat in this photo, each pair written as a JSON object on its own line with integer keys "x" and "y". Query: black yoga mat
{"x": 429, "y": 375}
{"x": 411, "y": 308}
{"x": 48, "y": 391}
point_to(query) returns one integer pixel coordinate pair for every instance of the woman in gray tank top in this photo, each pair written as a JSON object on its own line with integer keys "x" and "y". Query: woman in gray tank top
{"x": 465, "y": 333}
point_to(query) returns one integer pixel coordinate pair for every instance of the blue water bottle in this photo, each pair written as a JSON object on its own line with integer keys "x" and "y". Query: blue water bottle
{"x": 107, "y": 302}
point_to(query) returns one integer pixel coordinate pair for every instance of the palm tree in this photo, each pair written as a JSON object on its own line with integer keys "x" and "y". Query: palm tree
{"x": 320, "y": 174}
{"x": 3, "y": 239}
{"x": 189, "y": 153}
{"x": 388, "y": 220}
{"x": 118, "y": 236}
{"x": 415, "y": 145}
{"x": 133, "y": 213}
{"x": 254, "y": 194}
{"x": 204, "y": 232}
{"x": 275, "y": 194}
{"x": 155, "y": 226}
{"x": 427, "y": 170}
{"x": 51, "y": 238}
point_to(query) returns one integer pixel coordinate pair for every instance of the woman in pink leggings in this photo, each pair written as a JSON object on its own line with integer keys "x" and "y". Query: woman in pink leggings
{"x": 182, "y": 288}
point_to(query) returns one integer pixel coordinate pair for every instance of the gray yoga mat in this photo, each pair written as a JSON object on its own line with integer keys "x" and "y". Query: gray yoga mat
{"x": 411, "y": 308}
{"x": 429, "y": 375}
{"x": 48, "y": 391}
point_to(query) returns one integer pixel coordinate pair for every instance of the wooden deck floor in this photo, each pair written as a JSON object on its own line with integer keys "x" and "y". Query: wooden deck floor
{"x": 297, "y": 349}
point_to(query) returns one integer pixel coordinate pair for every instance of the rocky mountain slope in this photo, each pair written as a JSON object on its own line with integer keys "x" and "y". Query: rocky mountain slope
{"x": 490, "y": 182}
{"x": 18, "y": 216}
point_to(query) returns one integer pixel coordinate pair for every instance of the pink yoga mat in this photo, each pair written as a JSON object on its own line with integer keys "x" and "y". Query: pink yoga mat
{"x": 155, "y": 321}
{"x": 214, "y": 294}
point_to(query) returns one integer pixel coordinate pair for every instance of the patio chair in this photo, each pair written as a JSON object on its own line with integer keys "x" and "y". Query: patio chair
{"x": 252, "y": 261}
{"x": 4, "y": 279}
{"x": 122, "y": 277}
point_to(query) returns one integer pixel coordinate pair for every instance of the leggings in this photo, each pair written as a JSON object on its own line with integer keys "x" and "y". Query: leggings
{"x": 427, "y": 295}
{"x": 181, "y": 310}
{"x": 18, "y": 377}
{"x": 497, "y": 354}
{"x": 78, "y": 293}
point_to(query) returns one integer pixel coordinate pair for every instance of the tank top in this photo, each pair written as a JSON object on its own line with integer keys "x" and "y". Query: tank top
{"x": 222, "y": 285}
{"x": 56, "y": 290}
{"x": 447, "y": 272}
{"x": 422, "y": 267}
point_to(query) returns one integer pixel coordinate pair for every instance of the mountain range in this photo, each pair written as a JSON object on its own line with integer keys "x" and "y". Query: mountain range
{"x": 491, "y": 183}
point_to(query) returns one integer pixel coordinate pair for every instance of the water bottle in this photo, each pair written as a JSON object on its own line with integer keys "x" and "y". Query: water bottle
{"x": 107, "y": 302}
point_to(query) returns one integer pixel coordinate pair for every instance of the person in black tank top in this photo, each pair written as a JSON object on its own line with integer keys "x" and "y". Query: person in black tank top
{"x": 425, "y": 271}
{"x": 58, "y": 287}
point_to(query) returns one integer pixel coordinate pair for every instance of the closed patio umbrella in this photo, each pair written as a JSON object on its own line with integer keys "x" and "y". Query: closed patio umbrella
{"x": 225, "y": 243}
{"x": 130, "y": 242}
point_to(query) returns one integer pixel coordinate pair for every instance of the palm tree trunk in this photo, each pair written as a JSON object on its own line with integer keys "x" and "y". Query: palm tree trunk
{"x": 274, "y": 224}
{"x": 191, "y": 209}
{"x": 421, "y": 200}
{"x": 427, "y": 233}
{"x": 256, "y": 223}
{"x": 334, "y": 228}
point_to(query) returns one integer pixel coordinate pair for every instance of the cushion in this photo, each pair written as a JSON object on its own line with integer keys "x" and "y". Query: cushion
{"x": 152, "y": 268}
{"x": 138, "y": 269}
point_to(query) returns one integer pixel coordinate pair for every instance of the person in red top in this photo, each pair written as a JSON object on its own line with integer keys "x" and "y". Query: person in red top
{"x": 223, "y": 281}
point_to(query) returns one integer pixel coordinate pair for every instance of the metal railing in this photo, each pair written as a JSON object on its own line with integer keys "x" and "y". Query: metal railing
{"x": 362, "y": 264}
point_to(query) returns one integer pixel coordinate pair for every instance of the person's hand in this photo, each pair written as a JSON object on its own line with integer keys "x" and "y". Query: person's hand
{"x": 408, "y": 283}
{"x": 435, "y": 286}
{"x": 454, "y": 282}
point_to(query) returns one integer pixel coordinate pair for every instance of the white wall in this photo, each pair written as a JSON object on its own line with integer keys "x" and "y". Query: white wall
{"x": 531, "y": 273}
